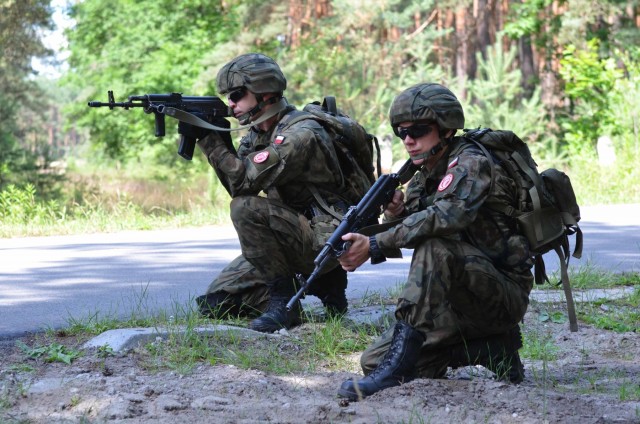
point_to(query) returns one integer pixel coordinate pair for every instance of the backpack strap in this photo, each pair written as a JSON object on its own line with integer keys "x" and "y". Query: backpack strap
{"x": 533, "y": 191}
{"x": 571, "y": 310}
{"x": 290, "y": 119}
{"x": 329, "y": 104}
{"x": 488, "y": 155}
{"x": 321, "y": 202}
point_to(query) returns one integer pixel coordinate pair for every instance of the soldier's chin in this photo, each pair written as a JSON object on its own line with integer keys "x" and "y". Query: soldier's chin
{"x": 417, "y": 162}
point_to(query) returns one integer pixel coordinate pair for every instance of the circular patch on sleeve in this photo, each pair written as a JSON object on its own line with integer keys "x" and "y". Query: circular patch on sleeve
{"x": 261, "y": 157}
{"x": 446, "y": 182}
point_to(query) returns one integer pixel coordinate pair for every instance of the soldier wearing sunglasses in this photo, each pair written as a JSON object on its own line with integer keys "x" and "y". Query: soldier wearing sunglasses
{"x": 280, "y": 225}
{"x": 470, "y": 276}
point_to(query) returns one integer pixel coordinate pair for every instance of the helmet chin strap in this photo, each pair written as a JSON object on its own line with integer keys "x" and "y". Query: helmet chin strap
{"x": 434, "y": 150}
{"x": 426, "y": 155}
{"x": 245, "y": 119}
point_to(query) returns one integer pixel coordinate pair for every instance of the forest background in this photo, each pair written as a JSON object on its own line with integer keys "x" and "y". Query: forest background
{"x": 563, "y": 75}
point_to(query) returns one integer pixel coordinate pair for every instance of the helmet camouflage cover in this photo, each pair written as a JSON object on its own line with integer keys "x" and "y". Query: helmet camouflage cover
{"x": 256, "y": 72}
{"x": 427, "y": 102}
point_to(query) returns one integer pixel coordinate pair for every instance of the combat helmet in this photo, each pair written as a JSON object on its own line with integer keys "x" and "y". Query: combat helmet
{"x": 427, "y": 102}
{"x": 254, "y": 71}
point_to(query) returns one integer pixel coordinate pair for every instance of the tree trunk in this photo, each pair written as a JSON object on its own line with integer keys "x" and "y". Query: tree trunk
{"x": 527, "y": 65}
{"x": 462, "y": 50}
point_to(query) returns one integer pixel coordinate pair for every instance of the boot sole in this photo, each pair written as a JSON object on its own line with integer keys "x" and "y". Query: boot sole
{"x": 349, "y": 395}
{"x": 273, "y": 327}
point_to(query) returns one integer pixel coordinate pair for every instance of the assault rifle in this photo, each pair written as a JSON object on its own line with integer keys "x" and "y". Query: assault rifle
{"x": 356, "y": 218}
{"x": 207, "y": 107}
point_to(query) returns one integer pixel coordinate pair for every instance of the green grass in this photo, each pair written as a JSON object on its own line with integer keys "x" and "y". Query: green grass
{"x": 322, "y": 341}
{"x": 110, "y": 202}
{"x": 587, "y": 276}
{"x": 52, "y": 219}
{"x": 538, "y": 346}
{"x": 619, "y": 315}
{"x": 326, "y": 343}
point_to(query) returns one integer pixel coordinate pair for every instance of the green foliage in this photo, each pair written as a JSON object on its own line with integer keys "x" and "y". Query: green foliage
{"x": 23, "y": 214}
{"x": 528, "y": 18}
{"x": 138, "y": 47}
{"x": 344, "y": 54}
{"x": 496, "y": 100}
{"x": 590, "y": 85}
{"x": 19, "y": 206}
{"x": 53, "y": 352}
{"x": 364, "y": 59}
{"x": 555, "y": 317}
{"x": 20, "y": 24}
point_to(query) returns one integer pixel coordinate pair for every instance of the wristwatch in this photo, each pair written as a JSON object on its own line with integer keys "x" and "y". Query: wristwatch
{"x": 375, "y": 252}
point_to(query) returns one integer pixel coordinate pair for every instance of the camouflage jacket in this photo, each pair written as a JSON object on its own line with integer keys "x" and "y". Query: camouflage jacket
{"x": 449, "y": 201}
{"x": 281, "y": 163}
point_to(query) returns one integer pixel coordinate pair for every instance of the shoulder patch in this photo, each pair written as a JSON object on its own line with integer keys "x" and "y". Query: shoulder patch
{"x": 279, "y": 139}
{"x": 446, "y": 182}
{"x": 261, "y": 157}
{"x": 453, "y": 163}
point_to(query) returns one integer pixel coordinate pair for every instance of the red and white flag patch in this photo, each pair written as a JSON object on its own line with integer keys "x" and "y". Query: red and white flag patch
{"x": 446, "y": 182}
{"x": 261, "y": 157}
{"x": 453, "y": 163}
{"x": 279, "y": 140}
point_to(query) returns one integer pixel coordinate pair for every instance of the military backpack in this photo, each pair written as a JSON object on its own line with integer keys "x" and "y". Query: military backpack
{"x": 354, "y": 147}
{"x": 547, "y": 211}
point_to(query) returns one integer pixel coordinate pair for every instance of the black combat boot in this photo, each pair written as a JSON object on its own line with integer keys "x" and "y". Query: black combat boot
{"x": 276, "y": 316}
{"x": 220, "y": 305}
{"x": 330, "y": 289}
{"x": 397, "y": 366}
{"x": 499, "y": 354}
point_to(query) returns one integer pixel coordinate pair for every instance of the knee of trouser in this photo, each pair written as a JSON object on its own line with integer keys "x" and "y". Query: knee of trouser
{"x": 248, "y": 209}
{"x": 435, "y": 244}
{"x": 239, "y": 206}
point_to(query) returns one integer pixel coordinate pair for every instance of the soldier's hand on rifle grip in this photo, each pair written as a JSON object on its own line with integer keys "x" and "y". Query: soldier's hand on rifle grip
{"x": 192, "y": 131}
{"x": 395, "y": 208}
{"x": 224, "y": 135}
{"x": 356, "y": 254}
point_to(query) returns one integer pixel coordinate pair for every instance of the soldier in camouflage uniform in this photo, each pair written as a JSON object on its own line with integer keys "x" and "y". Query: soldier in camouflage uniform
{"x": 470, "y": 277}
{"x": 280, "y": 225}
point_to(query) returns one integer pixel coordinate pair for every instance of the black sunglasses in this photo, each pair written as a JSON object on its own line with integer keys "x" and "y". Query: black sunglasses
{"x": 415, "y": 131}
{"x": 237, "y": 95}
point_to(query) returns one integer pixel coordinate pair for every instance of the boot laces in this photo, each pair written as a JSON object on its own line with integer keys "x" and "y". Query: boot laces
{"x": 392, "y": 352}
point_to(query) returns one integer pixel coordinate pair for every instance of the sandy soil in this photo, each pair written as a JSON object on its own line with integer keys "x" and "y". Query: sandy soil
{"x": 595, "y": 378}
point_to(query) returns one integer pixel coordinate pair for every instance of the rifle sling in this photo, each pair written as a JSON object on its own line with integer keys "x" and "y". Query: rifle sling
{"x": 322, "y": 203}
{"x": 190, "y": 118}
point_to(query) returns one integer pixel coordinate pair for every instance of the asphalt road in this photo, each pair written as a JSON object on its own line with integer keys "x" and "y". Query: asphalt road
{"x": 48, "y": 282}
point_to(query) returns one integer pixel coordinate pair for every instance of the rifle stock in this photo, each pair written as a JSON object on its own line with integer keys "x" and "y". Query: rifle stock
{"x": 357, "y": 217}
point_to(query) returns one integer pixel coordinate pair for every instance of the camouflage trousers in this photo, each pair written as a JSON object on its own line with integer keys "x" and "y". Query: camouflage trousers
{"x": 453, "y": 293}
{"x": 276, "y": 242}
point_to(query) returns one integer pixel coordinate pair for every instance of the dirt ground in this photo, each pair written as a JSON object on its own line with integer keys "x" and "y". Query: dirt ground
{"x": 595, "y": 378}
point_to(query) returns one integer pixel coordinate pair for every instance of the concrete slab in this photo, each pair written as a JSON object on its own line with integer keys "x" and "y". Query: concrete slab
{"x": 122, "y": 340}
{"x": 580, "y": 296}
